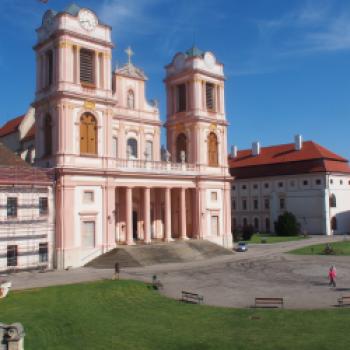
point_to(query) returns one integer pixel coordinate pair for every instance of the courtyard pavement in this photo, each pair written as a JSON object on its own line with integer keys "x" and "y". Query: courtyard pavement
{"x": 266, "y": 270}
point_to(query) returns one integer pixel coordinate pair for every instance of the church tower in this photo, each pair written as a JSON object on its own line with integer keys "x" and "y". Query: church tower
{"x": 73, "y": 86}
{"x": 196, "y": 123}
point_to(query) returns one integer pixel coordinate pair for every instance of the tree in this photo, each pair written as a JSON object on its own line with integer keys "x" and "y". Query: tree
{"x": 287, "y": 225}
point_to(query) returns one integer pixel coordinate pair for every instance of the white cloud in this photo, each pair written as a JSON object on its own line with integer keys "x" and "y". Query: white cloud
{"x": 314, "y": 28}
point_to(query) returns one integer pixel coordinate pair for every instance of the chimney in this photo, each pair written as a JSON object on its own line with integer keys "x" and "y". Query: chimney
{"x": 298, "y": 142}
{"x": 234, "y": 151}
{"x": 256, "y": 148}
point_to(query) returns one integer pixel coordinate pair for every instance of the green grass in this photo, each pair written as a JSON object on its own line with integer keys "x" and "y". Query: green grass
{"x": 269, "y": 238}
{"x": 340, "y": 248}
{"x": 128, "y": 315}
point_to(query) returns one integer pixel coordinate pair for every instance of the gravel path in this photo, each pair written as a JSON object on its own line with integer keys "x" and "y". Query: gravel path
{"x": 234, "y": 281}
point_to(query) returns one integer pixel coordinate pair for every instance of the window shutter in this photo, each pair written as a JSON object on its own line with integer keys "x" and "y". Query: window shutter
{"x": 87, "y": 66}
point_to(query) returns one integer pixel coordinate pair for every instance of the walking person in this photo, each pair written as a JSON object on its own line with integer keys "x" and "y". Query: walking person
{"x": 332, "y": 274}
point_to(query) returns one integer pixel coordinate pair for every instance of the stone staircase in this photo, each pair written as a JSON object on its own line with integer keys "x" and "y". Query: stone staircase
{"x": 159, "y": 253}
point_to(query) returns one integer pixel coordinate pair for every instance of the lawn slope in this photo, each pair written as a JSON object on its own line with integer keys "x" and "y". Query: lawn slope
{"x": 129, "y": 315}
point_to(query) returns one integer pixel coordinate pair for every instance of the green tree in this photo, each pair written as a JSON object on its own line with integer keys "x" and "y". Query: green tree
{"x": 287, "y": 225}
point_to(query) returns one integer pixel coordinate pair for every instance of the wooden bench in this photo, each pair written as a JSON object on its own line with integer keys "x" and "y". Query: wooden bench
{"x": 268, "y": 302}
{"x": 192, "y": 298}
{"x": 344, "y": 300}
{"x": 156, "y": 284}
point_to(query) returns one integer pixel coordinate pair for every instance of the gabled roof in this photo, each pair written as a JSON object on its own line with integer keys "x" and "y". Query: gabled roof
{"x": 14, "y": 170}
{"x": 285, "y": 159}
{"x": 8, "y": 158}
{"x": 11, "y": 126}
{"x": 131, "y": 71}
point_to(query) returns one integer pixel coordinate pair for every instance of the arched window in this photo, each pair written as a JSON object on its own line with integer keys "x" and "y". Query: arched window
{"x": 131, "y": 100}
{"x": 181, "y": 145}
{"x": 334, "y": 224}
{"x": 88, "y": 134}
{"x": 48, "y": 135}
{"x": 132, "y": 148}
{"x": 234, "y": 224}
{"x": 256, "y": 223}
{"x": 267, "y": 225}
{"x": 212, "y": 149}
{"x": 332, "y": 201}
{"x": 149, "y": 150}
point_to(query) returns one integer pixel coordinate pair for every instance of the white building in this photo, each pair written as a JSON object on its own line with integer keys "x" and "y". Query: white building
{"x": 26, "y": 214}
{"x": 302, "y": 177}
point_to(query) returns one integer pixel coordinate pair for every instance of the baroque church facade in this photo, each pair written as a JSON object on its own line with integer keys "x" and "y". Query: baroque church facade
{"x": 115, "y": 184}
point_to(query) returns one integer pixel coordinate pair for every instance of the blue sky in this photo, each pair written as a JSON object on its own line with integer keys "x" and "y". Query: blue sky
{"x": 287, "y": 63}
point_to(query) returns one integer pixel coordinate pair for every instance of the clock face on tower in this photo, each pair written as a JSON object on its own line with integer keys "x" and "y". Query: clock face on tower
{"x": 87, "y": 20}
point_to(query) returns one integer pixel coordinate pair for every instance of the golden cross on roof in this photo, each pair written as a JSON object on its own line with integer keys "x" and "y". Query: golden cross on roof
{"x": 130, "y": 53}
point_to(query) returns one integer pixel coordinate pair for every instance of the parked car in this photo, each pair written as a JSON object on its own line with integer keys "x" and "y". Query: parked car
{"x": 241, "y": 247}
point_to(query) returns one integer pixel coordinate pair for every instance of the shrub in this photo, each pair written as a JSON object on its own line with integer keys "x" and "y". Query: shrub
{"x": 287, "y": 225}
{"x": 237, "y": 234}
{"x": 247, "y": 232}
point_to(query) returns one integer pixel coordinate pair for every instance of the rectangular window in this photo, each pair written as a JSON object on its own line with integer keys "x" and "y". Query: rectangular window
{"x": 214, "y": 196}
{"x": 49, "y": 65}
{"x": 234, "y": 204}
{"x": 11, "y": 207}
{"x": 88, "y": 234}
{"x": 318, "y": 182}
{"x": 12, "y": 255}
{"x": 88, "y": 197}
{"x": 266, "y": 203}
{"x": 43, "y": 206}
{"x": 87, "y": 66}
{"x": 209, "y": 94}
{"x": 43, "y": 252}
{"x": 181, "y": 98}
{"x": 244, "y": 204}
{"x": 215, "y": 225}
{"x": 256, "y": 204}
{"x": 282, "y": 203}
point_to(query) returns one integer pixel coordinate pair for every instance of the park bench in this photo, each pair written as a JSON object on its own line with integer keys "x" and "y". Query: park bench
{"x": 344, "y": 300}
{"x": 156, "y": 284}
{"x": 268, "y": 302}
{"x": 192, "y": 298}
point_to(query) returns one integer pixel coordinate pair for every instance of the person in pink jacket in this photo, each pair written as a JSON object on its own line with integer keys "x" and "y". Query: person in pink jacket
{"x": 332, "y": 274}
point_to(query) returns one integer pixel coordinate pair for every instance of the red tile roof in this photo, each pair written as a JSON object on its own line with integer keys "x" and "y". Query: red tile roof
{"x": 15, "y": 171}
{"x": 286, "y": 160}
{"x": 11, "y": 126}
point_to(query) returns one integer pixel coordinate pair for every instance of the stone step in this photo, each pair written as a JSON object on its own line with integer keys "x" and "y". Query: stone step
{"x": 159, "y": 253}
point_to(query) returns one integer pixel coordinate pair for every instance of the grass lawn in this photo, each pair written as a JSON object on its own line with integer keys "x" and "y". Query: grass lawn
{"x": 128, "y": 315}
{"x": 340, "y": 248}
{"x": 258, "y": 237}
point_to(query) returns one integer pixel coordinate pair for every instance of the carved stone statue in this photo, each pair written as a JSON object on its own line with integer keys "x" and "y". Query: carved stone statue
{"x": 129, "y": 152}
{"x": 167, "y": 156}
{"x": 12, "y": 336}
{"x": 183, "y": 156}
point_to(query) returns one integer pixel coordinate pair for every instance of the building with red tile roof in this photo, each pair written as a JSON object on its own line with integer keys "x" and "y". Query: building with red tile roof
{"x": 301, "y": 177}
{"x": 18, "y": 134}
{"x": 26, "y": 214}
